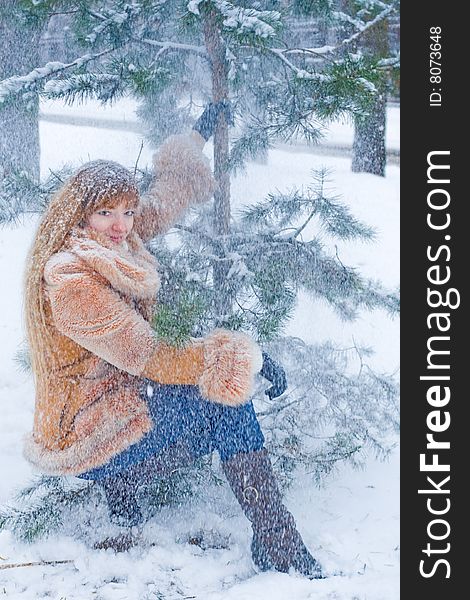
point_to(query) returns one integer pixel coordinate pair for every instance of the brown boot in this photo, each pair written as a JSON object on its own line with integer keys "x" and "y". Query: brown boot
{"x": 121, "y": 490}
{"x": 123, "y": 508}
{"x": 276, "y": 542}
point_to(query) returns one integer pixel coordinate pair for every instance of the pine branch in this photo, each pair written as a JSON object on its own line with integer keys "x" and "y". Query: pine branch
{"x": 249, "y": 23}
{"x": 389, "y": 63}
{"x": 103, "y": 86}
{"x": 320, "y": 52}
{"x": 200, "y": 50}
{"x": 353, "y": 412}
{"x": 364, "y": 27}
{"x": 114, "y": 18}
{"x": 213, "y": 240}
{"x": 20, "y": 195}
{"x": 324, "y": 52}
{"x": 280, "y": 210}
{"x": 254, "y": 142}
{"x": 23, "y": 359}
{"x": 33, "y": 80}
{"x": 300, "y": 73}
{"x": 41, "y": 507}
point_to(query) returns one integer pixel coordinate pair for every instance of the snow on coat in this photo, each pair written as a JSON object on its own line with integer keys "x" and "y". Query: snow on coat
{"x": 99, "y": 301}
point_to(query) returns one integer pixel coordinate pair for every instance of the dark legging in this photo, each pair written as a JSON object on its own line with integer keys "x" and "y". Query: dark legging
{"x": 179, "y": 413}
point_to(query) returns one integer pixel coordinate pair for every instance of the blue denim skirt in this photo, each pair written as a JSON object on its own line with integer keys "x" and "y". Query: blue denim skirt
{"x": 180, "y": 412}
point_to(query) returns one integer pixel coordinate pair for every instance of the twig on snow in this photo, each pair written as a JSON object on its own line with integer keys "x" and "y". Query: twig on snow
{"x": 35, "y": 564}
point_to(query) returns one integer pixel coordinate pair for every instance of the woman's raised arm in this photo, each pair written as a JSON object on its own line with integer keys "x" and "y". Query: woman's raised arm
{"x": 183, "y": 178}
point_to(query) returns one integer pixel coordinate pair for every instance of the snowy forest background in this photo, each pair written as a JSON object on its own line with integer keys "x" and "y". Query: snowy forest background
{"x": 299, "y": 247}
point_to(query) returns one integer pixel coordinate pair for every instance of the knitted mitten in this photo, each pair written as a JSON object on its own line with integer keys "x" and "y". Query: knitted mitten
{"x": 275, "y": 374}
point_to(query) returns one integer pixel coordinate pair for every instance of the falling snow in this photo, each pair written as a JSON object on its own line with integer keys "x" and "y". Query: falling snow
{"x": 350, "y": 524}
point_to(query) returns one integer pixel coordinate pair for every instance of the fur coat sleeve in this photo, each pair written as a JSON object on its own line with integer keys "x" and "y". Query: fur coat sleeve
{"x": 93, "y": 314}
{"x": 182, "y": 177}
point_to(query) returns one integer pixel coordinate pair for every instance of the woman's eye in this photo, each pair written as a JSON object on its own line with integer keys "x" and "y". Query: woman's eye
{"x": 104, "y": 213}
{"x": 130, "y": 213}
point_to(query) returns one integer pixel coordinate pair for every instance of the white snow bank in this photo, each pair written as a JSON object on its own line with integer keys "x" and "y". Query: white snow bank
{"x": 336, "y": 133}
{"x": 351, "y": 525}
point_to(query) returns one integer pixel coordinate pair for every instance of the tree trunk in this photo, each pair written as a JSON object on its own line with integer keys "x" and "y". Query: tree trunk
{"x": 19, "y": 117}
{"x": 220, "y": 91}
{"x": 369, "y": 153}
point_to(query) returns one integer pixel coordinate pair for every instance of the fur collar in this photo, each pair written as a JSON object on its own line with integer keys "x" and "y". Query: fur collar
{"x": 129, "y": 267}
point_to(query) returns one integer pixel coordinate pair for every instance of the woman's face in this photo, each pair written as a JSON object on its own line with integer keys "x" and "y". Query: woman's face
{"x": 115, "y": 223}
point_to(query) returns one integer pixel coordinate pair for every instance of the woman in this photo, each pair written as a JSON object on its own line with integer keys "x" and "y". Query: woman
{"x": 90, "y": 292}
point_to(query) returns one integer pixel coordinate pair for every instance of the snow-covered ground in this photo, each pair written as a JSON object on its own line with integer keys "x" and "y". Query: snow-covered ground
{"x": 351, "y": 524}
{"x": 123, "y": 115}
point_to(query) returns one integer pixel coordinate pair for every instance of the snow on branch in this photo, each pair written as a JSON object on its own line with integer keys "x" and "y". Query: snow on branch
{"x": 114, "y": 18}
{"x": 243, "y": 21}
{"x": 324, "y": 51}
{"x": 172, "y": 46}
{"x": 17, "y": 83}
{"x": 249, "y": 20}
{"x": 320, "y": 51}
{"x": 363, "y": 27}
{"x": 82, "y": 84}
{"x": 327, "y": 51}
{"x": 389, "y": 63}
{"x": 300, "y": 73}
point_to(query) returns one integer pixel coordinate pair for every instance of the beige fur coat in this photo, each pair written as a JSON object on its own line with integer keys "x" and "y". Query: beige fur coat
{"x": 99, "y": 302}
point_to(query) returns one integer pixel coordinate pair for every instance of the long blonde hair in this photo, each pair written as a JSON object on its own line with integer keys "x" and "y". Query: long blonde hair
{"x": 95, "y": 185}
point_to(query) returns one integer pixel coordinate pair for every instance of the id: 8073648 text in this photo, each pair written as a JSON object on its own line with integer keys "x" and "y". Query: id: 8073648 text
{"x": 435, "y": 66}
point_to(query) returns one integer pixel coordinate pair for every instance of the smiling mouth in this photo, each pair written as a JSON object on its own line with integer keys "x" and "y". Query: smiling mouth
{"x": 116, "y": 238}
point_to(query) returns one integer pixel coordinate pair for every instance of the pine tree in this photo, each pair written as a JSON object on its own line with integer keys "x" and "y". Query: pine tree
{"x": 132, "y": 50}
{"x": 245, "y": 271}
{"x": 273, "y": 253}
